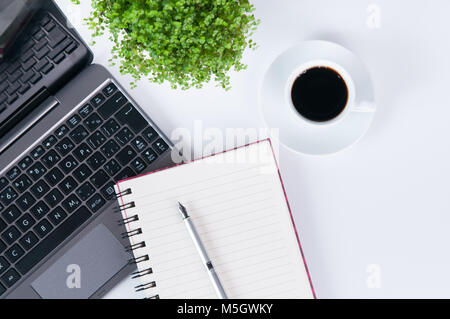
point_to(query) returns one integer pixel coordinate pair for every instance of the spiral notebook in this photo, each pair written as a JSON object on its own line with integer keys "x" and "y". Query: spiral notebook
{"x": 238, "y": 204}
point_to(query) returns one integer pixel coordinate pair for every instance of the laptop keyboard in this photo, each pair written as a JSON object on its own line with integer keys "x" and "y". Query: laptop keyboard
{"x": 46, "y": 44}
{"x": 68, "y": 177}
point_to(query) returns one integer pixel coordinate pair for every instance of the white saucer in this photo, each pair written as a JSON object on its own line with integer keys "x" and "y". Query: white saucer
{"x": 298, "y": 134}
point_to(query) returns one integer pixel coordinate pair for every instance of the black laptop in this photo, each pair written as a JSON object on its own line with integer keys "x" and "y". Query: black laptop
{"x": 68, "y": 132}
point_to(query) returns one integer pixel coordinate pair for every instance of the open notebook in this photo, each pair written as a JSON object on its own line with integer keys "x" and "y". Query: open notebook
{"x": 237, "y": 202}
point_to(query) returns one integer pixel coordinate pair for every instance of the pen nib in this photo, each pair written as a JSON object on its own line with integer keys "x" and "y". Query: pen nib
{"x": 183, "y": 210}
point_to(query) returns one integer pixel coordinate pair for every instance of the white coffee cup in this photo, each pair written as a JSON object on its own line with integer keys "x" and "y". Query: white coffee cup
{"x": 350, "y": 106}
{"x": 305, "y": 135}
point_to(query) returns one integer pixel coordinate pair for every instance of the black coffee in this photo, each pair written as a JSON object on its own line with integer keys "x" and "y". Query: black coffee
{"x": 319, "y": 94}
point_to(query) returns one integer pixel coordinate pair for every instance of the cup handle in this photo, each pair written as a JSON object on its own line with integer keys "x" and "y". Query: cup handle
{"x": 364, "y": 107}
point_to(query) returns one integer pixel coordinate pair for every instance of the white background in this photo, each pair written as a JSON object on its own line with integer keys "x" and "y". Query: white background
{"x": 384, "y": 201}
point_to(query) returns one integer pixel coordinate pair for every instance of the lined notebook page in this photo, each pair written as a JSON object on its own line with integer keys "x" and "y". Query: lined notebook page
{"x": 238, "y": 205}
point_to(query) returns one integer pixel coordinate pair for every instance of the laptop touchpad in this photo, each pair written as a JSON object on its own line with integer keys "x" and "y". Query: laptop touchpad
{"x": 84, "y": 268}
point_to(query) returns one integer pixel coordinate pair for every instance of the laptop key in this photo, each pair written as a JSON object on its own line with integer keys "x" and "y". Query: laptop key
{"x": 11, "y": 214}
{"x": 95, "y": 203}
{"x": 96, "y": 140}
{"x": 4, "y": 264}
{"x": 68, "y": 164}
{"x": 92, "y": 122}
{"x": 51, "y": 158}
{"x": 130, "y": 116}
{"x": 126, "y": 155}
{"x": 13, "y": 173}
{"x": 112, "y": 167}
{"x": 139, "y": 165}
{"x": 3, "y": 183}
{"x": 124, "y": 136}
{"x": 56, "y": 36}
{"x": 38, "y": 152}
{"x": 124, "y": 174}
{"x": 139, "y": 144}
{"x": 96, "y": 160}
{"x": 27, "y": 66}
{"x": 86, "y": 110}
{"x": 39, "y": 210}
{"x": 36, "y": 171}
{"x": 71, "y": 48}
{"x": 150, "y": 134}
{"x": 65, "y": 146}
{"x": 160, "y": 146}
{"x": 59, "y": 48}
{"x": 24, "y": 88}
{"x": 42, "y": 52}
{"x": 54, "y": 176}
{"x": 28, "y": 241}
{"x": 49, "y": 141}
{"x": 10, "y": 277}
{"x": 11, "y": 235}
{"x": 47, "y": 68}
{"x": 25, "y": 163}
{"x": 109, "y": 89}
{"x": 22, "y": 183}
{"x": 150, "y": 155}
{"x": 59, "y": 58}
{"x": 61, "y": 131}
{"x": 2, "y": 226}
{"x": 79, "y": 134}
{"x": 14, "y": 253}
{"x": 71, "y": 203}
{"x": 74, "y": 121}
{"x": 113, "y": 104}
{"x": 43, "y": 228}
{"x": 8, "y": 196}
{"x": 82, "y": 152}
{"x": 12, "y": 99}
{"x": 25, "y": 201}
{"x": 49, "y": 26}
{"x": 68, "y": 185}
{"x": 82, "y": 172}
{"x": 85, "y": 191}
{"x": 41, "y": 64}
{"x": 67, "y": 227}
{"x": 2, "y": 246}
{"x": 2, "y": 289}
{"x": 110, "y": 148}
{"x": 99, "y": 178}
{"x": 35, "y": 78}
{"x": 110, "y": 128}
{"x": 97, "y": 100}
{"x": 54, "y": 197}
{"x": 25, "y": 222}
{"x": 57, "y": 216}
{"x": 108, "y": 190}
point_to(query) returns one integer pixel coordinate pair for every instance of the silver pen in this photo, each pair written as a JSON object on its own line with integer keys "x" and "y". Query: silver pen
{"x": 202, "y": 251}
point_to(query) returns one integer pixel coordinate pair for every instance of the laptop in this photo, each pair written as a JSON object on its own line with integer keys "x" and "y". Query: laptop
{"x": 68, "y": 132}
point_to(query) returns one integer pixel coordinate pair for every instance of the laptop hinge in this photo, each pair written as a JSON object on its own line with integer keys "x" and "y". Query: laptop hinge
{"x": 23, "y": 111}
{"x": 27, "y": 122}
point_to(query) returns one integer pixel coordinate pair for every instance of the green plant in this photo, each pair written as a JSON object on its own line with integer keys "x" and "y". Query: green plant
{"x": 184, "y": 42}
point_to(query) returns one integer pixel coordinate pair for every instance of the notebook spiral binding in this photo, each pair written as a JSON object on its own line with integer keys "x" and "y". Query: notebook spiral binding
{"x": 132, "y": 247}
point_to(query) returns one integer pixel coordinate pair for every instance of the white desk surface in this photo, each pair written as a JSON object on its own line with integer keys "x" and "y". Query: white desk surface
{"x": 386, "y": 200}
